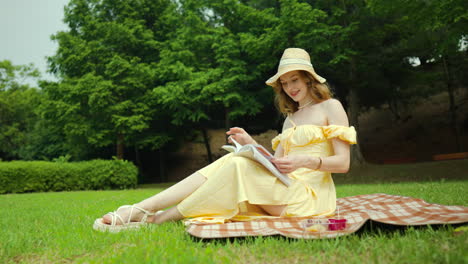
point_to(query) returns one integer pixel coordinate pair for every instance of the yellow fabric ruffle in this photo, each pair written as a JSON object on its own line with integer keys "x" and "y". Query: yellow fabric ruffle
{"x": 275, "y": 142}
{"x": 303, "y": 135}
{"x": 347, "y": 134}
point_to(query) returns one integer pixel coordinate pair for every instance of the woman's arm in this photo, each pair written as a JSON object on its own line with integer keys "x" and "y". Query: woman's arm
{"x": 240, "y": 135}
{"x": 279, "y": 151}
{"x": 338, "y": 163}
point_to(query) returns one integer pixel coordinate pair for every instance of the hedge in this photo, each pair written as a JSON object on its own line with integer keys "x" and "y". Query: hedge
{"x": 43, "y": 176}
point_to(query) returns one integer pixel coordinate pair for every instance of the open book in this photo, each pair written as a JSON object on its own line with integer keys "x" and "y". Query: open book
{"x": 259, "y": 154}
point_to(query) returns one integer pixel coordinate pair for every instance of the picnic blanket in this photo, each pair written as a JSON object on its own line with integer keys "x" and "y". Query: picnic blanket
{"x": 357, "y": 210}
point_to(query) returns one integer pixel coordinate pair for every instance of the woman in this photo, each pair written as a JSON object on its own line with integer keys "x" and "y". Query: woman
{"x": 313, "y": 144}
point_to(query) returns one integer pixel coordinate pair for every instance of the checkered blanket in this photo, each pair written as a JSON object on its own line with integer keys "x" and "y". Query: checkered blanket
{"x": 379, "y": 207}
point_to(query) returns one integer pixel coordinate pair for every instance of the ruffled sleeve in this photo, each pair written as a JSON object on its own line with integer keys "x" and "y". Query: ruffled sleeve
{"x": 275, "y": 142}
{"x": 345, "y": 133}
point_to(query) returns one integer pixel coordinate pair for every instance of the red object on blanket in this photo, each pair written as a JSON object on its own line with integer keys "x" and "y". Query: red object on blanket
{"x": 336, "y": 224}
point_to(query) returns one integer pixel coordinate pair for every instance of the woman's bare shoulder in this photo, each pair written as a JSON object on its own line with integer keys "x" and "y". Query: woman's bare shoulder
{"x": 332, "y": 103}
{"x": 287, "y": 123}
{"x": 336, "y": 114}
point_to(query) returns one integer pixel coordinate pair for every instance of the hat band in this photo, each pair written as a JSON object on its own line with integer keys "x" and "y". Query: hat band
{"x": 294, "y": 61}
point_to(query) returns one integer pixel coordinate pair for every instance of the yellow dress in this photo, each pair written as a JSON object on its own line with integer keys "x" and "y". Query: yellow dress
{"x": 236, "y": 185}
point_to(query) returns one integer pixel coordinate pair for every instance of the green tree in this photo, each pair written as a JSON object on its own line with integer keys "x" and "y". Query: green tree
{"x": 329, "y": 31}
{"x": 107, "y": 62}
{"x": 227, "y": 49}
{"x": 438, "y": 28}
{"x": 213, "y": 64}
{"x": 18, "y": 102}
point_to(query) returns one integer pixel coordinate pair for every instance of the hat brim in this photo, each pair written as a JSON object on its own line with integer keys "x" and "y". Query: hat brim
{"x": 294, "y": 67}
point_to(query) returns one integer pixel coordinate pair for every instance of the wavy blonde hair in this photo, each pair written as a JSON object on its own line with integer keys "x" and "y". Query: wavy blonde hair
{"x": 319, "y": 92}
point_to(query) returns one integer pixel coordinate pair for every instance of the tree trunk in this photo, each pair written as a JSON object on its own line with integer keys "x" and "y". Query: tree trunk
{"x": 137, "y": 157}
{"x": 393, "y": 104}
{"x": 120, "y": 146}
{"x": 353, "y": 101}
{"x": 162, "y": 166}
{"x": 452, "y": 106}
{"x": 206, "y": 140}
{"x": 227, "y": 121}
{"x": 139, "y": 164}
{"x": 353, "y": 113}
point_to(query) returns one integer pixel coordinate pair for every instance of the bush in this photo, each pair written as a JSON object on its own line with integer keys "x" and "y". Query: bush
{"x": 42, "y": 176}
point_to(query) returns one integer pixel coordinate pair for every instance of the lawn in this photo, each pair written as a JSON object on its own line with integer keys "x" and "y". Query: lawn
{"x": 56, "y": 227}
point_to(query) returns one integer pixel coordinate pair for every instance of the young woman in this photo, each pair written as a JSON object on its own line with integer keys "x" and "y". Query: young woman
{"x": 314, "y": 143}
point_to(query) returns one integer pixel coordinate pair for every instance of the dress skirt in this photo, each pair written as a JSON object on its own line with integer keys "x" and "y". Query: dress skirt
{"x": 237, "y": 185}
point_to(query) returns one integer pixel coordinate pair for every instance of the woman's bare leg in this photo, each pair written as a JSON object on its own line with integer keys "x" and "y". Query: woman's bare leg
{"x": 169, "y": 197}
{"x": 171, "y": 214}
{"x": 174, "y": 194}
{"x": 274, "y": 210}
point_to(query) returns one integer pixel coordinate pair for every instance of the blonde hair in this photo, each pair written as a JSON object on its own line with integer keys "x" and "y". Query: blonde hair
{"x": 318, "y": 91}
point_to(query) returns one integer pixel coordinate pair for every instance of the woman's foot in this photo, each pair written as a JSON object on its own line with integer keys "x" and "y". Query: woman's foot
{"x": 125, "y": 213}
{"x": 125, "y": 217}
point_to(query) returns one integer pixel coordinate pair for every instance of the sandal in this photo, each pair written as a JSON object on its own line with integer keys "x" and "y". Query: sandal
{"x": 114, "y": 228}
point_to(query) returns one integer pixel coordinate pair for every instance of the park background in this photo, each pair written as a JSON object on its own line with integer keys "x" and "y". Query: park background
{"x": 142, "y": 91}
{"x": 158, "y": 82}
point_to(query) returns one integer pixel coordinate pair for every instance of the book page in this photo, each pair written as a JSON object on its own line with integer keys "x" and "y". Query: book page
{"x": 229, "y": 148}
{"x": 264, "y": 159}
{"x": 238, "y": 146}
{"x": 259, "y": 154}
{"x": 264, "y": 152}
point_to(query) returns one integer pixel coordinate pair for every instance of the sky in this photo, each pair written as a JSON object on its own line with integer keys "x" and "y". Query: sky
{"x": 25, "y": 30}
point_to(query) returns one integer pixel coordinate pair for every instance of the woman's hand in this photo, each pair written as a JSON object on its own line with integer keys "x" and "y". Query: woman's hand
{"x": 289, "y": 164}
{"x": 240, "y": 135}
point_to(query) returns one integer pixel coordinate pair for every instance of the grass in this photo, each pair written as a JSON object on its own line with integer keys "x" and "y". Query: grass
{"x": 56, "y": 228}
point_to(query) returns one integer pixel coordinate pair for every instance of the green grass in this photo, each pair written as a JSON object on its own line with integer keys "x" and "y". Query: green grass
{"x": 57, "y": 228}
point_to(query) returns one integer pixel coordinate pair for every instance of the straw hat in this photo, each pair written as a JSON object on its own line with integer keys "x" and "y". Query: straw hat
{"x": 294, "y": 59}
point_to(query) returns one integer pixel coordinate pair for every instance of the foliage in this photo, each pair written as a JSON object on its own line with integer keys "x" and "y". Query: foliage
{"x": 43, "y": 176}
{"x": 14, "y": 77}
{"x": 430, "y": 31}
{"x": 107, "y": 61}
{"x": 18, "y": 103}
{"x": 225, "y": 50}
{"x": 144, "y": 74}
{"x": 439, "y": 27}
{"x": 215, "y": 71}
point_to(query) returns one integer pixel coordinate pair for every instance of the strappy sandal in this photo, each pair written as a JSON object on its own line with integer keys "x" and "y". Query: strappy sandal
{"x": 124, "y": 225}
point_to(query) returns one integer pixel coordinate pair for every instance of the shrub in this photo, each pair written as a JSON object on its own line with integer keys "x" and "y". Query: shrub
{"x": 42, "y": 176}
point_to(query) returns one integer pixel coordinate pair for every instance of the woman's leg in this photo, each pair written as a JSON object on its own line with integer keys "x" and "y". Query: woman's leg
{"x": 169, "y": 197}
{"x": 174, "y": 194}
{"x": 171, "y": 214}
{"x": 274, "y": 210}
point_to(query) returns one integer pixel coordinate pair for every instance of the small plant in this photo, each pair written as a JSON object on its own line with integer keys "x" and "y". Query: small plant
{"x": 65, "y": 158}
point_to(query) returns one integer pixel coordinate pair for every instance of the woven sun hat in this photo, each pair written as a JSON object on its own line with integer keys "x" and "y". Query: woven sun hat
{"x": 294, "y": 59}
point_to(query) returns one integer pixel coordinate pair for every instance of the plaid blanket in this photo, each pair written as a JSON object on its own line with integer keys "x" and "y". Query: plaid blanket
{"x": 384, "y": 208}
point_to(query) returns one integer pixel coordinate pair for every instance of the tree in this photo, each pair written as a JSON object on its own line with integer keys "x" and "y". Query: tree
{"x": 213, "y": 68}
{"x": 333, "y": 46}
{"x": 107, "y": 65}
{"x": 17, "y": 108}
{"x": 438, "y": 29}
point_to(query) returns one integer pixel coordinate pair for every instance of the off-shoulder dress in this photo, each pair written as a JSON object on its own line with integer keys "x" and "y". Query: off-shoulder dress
{"x": 236, "y": 185}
